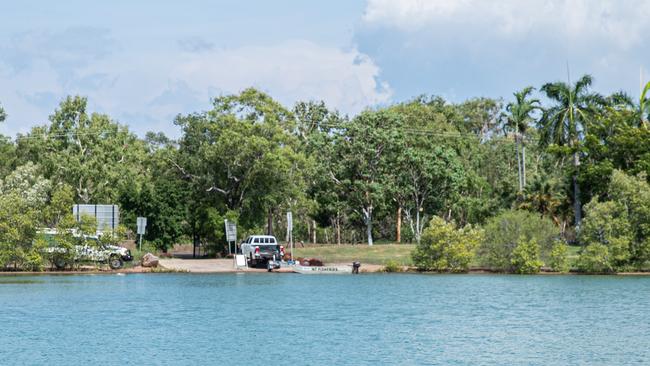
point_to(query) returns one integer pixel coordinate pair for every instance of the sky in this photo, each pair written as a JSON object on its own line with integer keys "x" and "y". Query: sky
{"x": 144, "y": 62}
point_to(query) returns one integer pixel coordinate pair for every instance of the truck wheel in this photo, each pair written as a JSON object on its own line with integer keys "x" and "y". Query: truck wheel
{"x": 59, "y": 262}
{"x": 115, "y": 262}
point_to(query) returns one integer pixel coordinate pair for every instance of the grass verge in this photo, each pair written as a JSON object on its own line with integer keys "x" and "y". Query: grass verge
{"x": 377, "y": 254}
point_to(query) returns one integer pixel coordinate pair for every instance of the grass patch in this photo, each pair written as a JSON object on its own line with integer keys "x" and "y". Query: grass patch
{"x": 376, "y": 254}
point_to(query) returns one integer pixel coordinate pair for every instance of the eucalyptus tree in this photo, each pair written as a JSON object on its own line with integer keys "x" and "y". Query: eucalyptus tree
{"x": 88, "y": 151}
{"x": 427, "y": 171}
{"x": 519, "y": 120}
{"x": 565, "y": 123}
{"x": 317, "y": 128}
{"x": 241, "y": 157}
{"x": 365, "y": 145}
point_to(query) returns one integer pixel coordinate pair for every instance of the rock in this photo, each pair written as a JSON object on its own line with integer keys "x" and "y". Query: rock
{"x": 315, "y": 262}
{"x": 149, "y": 260}
{"x": 310, "y": 262}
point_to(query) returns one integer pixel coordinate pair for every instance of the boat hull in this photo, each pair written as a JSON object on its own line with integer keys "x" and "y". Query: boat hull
{"x": 323, "y": 270}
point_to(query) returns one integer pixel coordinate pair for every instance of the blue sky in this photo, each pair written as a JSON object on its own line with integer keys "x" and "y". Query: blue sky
{"x": 144, "y": 62}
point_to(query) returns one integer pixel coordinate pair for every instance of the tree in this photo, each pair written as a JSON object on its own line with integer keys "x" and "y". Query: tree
{"x": 607, "y": 223}
{"x": 94, "y": 155}
{"x": 427, "y": 171}
{"x": 18, "y": 223}
{"x": 27, "y": 182}
{"x": 507, "y": 230}
{"x": 565, "y": 124}
{"x": 3, "y": 114}
{"x": 644, "y": 106}
{"x": 366, "y": 144}
{"x": 240, "y": 157}
{"x": 445, "y": 247}
{"x": 519, "y": 119}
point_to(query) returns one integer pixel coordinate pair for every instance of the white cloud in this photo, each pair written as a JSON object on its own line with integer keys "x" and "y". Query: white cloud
{"x": 152, "y": 85}
{"x": 622, "y": 23}
{"x": 290, "y": 71}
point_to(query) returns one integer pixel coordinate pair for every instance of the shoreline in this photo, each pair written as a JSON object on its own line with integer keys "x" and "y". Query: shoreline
{"x": 369, "y": 269}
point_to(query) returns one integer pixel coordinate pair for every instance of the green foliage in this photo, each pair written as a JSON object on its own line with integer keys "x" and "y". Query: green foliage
{"x": 27, "y": 182}
{"x": 607, "y": 223}
{"x": 445, "y": 248}
{"x": 17, "y": 233}
{"x": 559, "y": 259}
{"x": 393, "y": 266}
{"x": 87, "y": 225}
{"x": 61, "y": 200}
{"x": 525, "y": 257}
{"x": 595, "y": 258}
{"x": 251, "y": 159}
{"x": 506, "y": 231}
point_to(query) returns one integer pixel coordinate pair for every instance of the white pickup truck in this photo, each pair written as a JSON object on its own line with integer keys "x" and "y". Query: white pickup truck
{"x": 261, "y": 249}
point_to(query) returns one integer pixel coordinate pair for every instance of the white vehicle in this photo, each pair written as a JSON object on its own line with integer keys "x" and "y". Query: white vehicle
{"x": 262, "y": 249}
{"x": 87, "y": 249}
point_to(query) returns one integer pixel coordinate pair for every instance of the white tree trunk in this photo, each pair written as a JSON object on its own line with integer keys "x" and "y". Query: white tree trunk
{"x": 367, "y": 215}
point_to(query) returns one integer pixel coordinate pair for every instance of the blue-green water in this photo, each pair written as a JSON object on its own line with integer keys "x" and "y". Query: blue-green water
{"x": 273, "y": 319}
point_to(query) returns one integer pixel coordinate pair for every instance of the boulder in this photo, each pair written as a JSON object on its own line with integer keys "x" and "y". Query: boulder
{"x": 149, "y": 260}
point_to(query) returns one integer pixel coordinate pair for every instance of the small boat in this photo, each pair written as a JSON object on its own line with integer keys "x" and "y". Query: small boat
{"x": 323, "y": 269}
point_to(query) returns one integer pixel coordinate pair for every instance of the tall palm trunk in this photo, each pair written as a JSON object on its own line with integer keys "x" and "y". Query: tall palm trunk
{"x": 577, "y": 206}
{"x": 523, "y": 163}
{"x": 518, "y": 161}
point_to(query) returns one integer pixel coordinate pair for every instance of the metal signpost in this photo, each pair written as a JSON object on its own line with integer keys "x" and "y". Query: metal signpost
{"x": 231, "y": 235}
{"x": 290, "y": 231}
{"x": 142, "y": 225}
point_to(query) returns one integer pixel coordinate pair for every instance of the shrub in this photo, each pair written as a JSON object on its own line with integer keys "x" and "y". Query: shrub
{"x": 504, "y": 232}
{"x": 392, "y": 266}
{"x": 559, "y": 260}
{"x": 525, "y": 257}
{"x": 595, "y": 259}
{"x": 607, "y": 223}
{"x": 445, "y": 248}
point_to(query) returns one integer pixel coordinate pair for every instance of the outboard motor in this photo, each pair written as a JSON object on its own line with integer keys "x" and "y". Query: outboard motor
{"x": 355, "y": 267}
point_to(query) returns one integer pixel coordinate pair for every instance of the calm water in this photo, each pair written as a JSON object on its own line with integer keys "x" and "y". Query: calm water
{"x": 275, "y": 319}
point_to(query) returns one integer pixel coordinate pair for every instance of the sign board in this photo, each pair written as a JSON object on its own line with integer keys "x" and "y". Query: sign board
{"x": 231, "y": 231}
{"x": 107, "y": 216}
{"x": 240, "y": 260}
{"x": 289, "y": 221}
{"x": 142, "y": 224}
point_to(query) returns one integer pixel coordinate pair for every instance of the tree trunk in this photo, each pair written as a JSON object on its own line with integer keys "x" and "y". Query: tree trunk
{"x": 338, "y": 229}
{"x": 577, "y": 206}
{"x": 367, "y": 213}
{"x": 523, "y": 163}
{"x": 399, "y": 225}
{"x": 417, "y": 226}
{"x": 518, "y": 161}
{"x": 313, "y": 232}
{"x": 269, "y": 229}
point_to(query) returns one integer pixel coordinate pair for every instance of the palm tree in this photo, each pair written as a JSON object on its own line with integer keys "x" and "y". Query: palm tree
{"x": 519, "y": 120}
{"x": 542, "y": 197}
{"x": 644, "y": 106}
{"x": 565, "y": 123}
